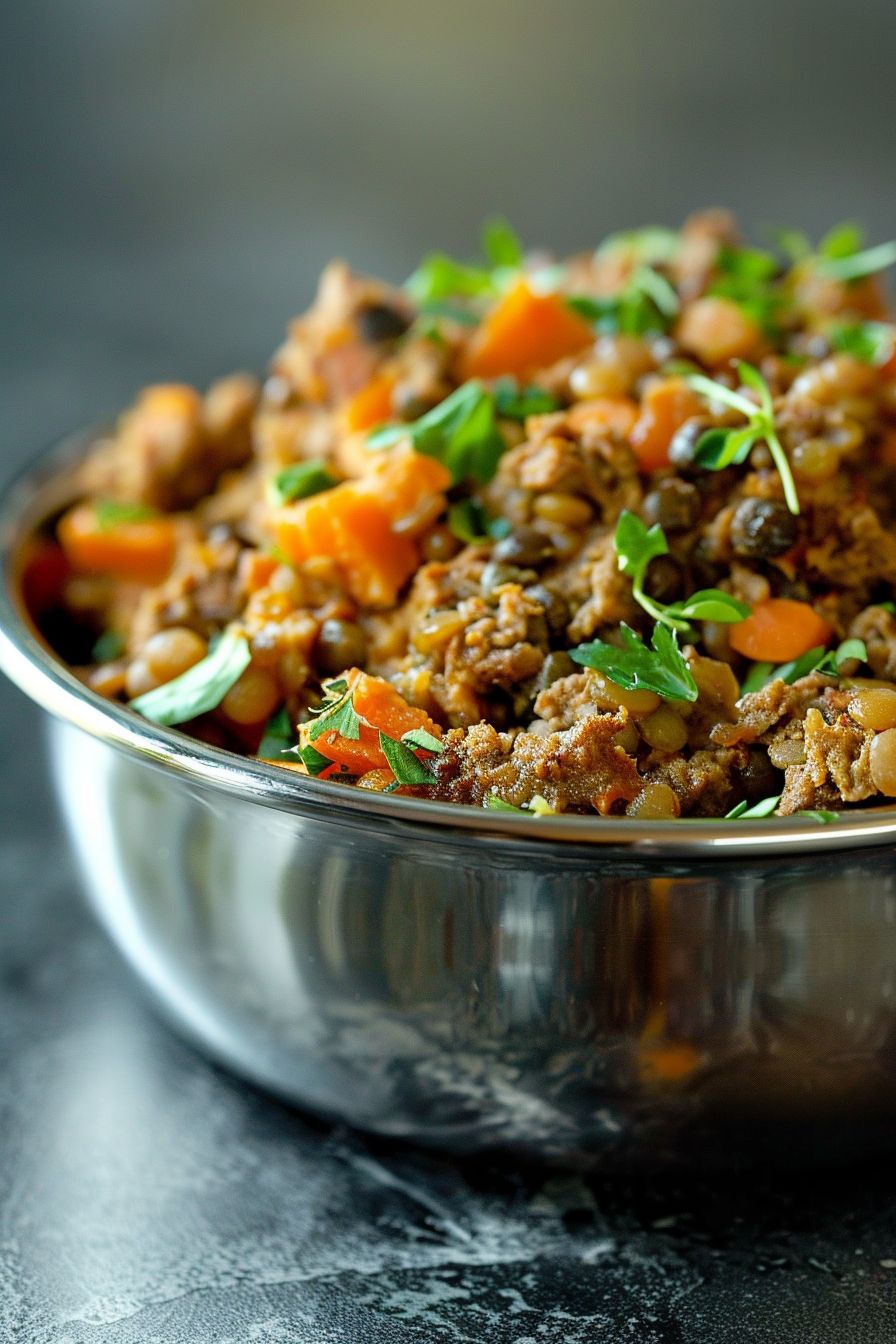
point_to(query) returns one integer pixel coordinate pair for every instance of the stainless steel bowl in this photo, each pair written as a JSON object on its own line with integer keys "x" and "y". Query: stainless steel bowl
{"x": 624, "y": 991}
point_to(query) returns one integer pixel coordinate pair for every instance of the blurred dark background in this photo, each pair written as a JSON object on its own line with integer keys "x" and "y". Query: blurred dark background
{"x": 176, "y": 172}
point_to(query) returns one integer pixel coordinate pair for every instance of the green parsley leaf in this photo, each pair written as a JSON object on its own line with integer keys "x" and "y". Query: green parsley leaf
{"x": 760, "y": 425}
{"x": 765, "y": 808}
{"x": 300, "y": 480}
{"x": 313, "y": 761}
{"x": 889, "y": 607}
{"x": 501, "y": 244}
{"x": 405, "y": 766}
{"x": 451, "y": 312}
{"x": 420, "y": 739}
{"x": 857, "y": 265}
{"x": 819, "y": 659}
{"x": 710, "y": 604}
{"x": 470, "y": 523}
{"x": 647, "y": 304}
{"x": 460, "y": 432}
{"x": 496, "y": 804}
{"x": 517, "y": 403}
{"x": 109, "y": 646}
{"x": 279, "y": 735}
{"x": 871, "y": 342}
{"x": 746, "y": 275}
{"x": 202, "y": 687}
{"x": 660, "y": 668}
{"x": 441, "y": 277}
{"x": 844, "y": 240}
{"x": 820, "y": 815}
{"x": 717, "y": 448}
{"x": 336, "y": 713}
{"x": 110, "y": 513}
{"x": 637, "y": 544}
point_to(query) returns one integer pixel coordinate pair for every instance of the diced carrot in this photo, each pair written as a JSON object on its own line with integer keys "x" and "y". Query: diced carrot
{"x": 352, "y": 524}
{"x": 381, "y": 709}
{"x": 141, "y": 549}
{"x": 522, "y": 332}
{"x": 372, "y": 404}
{"x": 778, "y": 630}
{"x": 376, "y": 780}
{"x": 716, "y": 330}
{"x": 256, "y": 569}
{"x": 44, "y": 571}
{"x": 401, "y": 480}
{"x": 616, "y": 413}
{"x": 667, "y": 404}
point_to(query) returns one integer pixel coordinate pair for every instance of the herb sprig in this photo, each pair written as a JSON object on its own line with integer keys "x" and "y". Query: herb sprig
{"x": 648, "y": 303}
{"x": 819, "y": 659}
{"x": 636, "y": 545}
{"x": 440, "y": 277}
{"x": 462, "y": 432}
{"x": 720, "y": 448}
{"x": 635, "y": 667}
{"x": 871, "y": 342}
{"x": 300, "y": 480}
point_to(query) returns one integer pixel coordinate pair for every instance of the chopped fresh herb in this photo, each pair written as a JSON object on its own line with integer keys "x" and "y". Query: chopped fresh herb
{"x": 719, "y": 448}
{"x": 648, "y": 247}
{"x": 647, "y": 304}
{"x": 828, "y": 662}
{"x": 279, "y": 735}
{"x": 421, "y": 740}
{"x": 871, "y": 342}
{"x": 794, "y": 244}
{"x": 469, "y": 522}
{"x": 765, "y": 808}
{"x": 820, "y": 815}
{"x": 858, "y": 265}
{"x": 746, "y": 275}
{"x": 497, "y": 804}
{"x": 300, "y": 480}
{"x": 336, "y": 713}
{"x": 843, "y": 240}
{"x": 405, "y": 766}
{"x": 636, "y": 545}
{"x": 889, "y": 607}
{"x": 110, "y": 645}
{"x": 313, "y": 761}
{"x": 660, "y": 668}
{"x": 202, "y": 687}
{"x": 452, "y": 312}
{"x": 111, "y": 513}
{"x": 461, "y": 432}
{"x": 441, "y": 277}
{"x": 536, "y": 806}
{"x": 501, "y": 244}
{"x": 517, "y": 403}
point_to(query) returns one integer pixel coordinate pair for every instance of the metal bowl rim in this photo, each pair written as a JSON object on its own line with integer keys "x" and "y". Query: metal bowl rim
{"x": 37, "y": 671}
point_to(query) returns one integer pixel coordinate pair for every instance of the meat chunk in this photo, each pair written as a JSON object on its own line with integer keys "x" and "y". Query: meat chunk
{"x": 836, "y": 768}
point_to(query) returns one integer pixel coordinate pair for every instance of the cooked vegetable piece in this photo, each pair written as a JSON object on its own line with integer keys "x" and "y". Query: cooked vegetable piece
{"x": 348, "y": 730}
{"x": 667, "y": 404}
{"x": 522, "y": 332}
{"x": 372, "y": 404}
{"x": 134, "y": 548}
{"x": 779, "y": 629}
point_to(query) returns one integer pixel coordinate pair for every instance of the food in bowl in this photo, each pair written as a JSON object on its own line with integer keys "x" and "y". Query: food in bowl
{"x": 611, "y": 536}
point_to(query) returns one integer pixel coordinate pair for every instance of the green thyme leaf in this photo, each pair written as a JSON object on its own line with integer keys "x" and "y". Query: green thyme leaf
{"x": 871, "y": 342}
{"x": 202, "y": 687}
{"x": 279, "y": 735}
{"x": 517, "y": 403}
{"x": 110, "y": 513}
{"x": 660, "y": 668}
{"x": 405, "y": 766}
{"x": 421, "y": 740}
{"x": 857, "y": 265}
{"x": 109, "y": 646}
{"x": 313, "y": 761}
{"x": 461, "y": 432}
{"x": 300, "y": 480}
{"x": 501, "y": 244}
{"x": 336, "y": 713}
{"x": 743, "y": 811}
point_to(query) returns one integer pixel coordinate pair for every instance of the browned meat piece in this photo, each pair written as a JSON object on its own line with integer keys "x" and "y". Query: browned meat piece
{"x": 836, "y": 765}
{"x": 567, "y": 700}
{"x": 202, "y": 592}
{"x": 762, "y": 710}
{"x": 706, "y": 784}
{"x": 172, "y": 447}
{"x": 574, "y": 770}
{"x": 877, "y": 628}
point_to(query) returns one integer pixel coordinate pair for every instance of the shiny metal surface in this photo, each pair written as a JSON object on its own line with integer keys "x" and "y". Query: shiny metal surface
{"x": 471, "y": 979}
